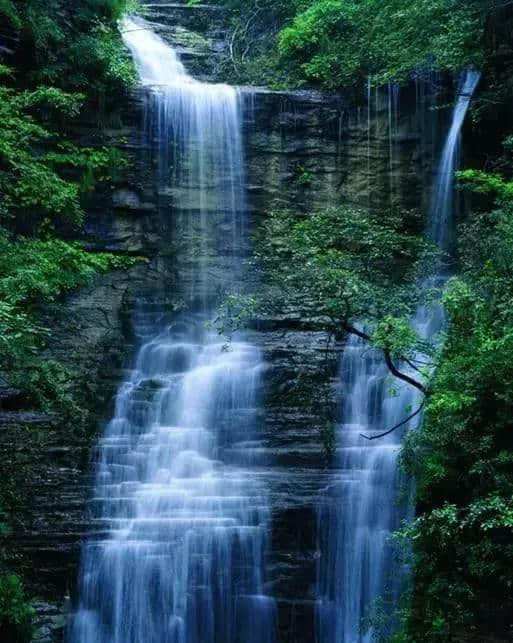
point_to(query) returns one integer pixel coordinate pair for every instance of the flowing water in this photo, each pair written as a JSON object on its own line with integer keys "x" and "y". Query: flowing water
{"x": 183, "y": 515}
{"x": 197, "y": 130}
{"x": 442, "y": 208}
{"x": 360, "y": 511}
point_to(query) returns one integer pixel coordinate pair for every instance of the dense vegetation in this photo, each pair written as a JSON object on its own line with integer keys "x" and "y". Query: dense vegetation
{"x": 336, "y": 43}
{"x": 64, "y": 45}
{"x": 343, "y": 43}
{"x": 462, "y": 458}
{"x": 59, "y": 59}
{"x": 345, "y": 265}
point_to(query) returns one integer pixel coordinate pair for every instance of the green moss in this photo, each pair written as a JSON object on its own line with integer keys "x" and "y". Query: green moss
{"x": 191, "y": 39}
{"x": 16, "y": 614}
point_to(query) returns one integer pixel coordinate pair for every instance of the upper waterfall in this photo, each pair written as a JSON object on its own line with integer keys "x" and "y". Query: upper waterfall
{"x": 442, "y": 205}
{"x": 197, "y": 129}
{"x": 157, "y": 63}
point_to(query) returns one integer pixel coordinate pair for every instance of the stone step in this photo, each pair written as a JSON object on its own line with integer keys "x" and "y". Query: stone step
{"x": 200, "y": 19}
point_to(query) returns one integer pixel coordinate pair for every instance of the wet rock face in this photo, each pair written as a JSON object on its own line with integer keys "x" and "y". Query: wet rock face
{"x": 310, "y": 150}
{"x": 199, "y": 32}
{"x": 304, "y": 150}
{"x": 52, "y": 622}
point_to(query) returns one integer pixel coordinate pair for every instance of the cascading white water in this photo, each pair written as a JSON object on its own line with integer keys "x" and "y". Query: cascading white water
{"x": 181, "y": 516}
{"x": 360, "y": 511}
{"x": 442, "y": 205}
{"x": 198, "y": 130}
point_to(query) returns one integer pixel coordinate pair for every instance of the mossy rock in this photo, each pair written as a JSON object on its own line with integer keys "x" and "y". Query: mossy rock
{"x": 191, "y": 39}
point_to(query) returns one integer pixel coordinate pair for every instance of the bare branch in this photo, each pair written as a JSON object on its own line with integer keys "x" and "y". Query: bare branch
{"x": 389, "y": 361}
{"x": 397, "y": 426}
{"x": 402, "y": 376}
{"x": 246, "y": 30}
{"x": 232, "y": 46}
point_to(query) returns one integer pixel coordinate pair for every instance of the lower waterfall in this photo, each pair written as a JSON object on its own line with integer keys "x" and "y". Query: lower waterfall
{"x": 360, "y": 511}
{"x": 183, "y": 517}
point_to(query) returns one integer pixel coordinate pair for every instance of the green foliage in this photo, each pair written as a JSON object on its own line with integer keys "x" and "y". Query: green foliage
{"x": 43, "y": 174}
{"x": 486, "y": 183}
{"x": 342, "y": 264}
{"x": 335, "y": 43}
{"x": 8, "y": 10}
{"x": 341, "y": 42}
{"x": 33, "y": 273}
{"x": 102, "y": 51}
{"x": 74, "y": 47}
{"x": 68, "y": 56}
{"x": 234, "y": 314}
{"x": 303, "y": 176}
{"x": 396, "y": 336}
{"x": 462, "y": 458}
{"x": 16, "y": 614}
{"x": 32, "y": 158}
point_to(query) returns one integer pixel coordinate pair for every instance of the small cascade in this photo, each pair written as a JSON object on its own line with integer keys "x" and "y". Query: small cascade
{"x": 442, "y": 208}
{"x": 180, "y": 516}
{"x": 198, "y": 132}
{"x": 359, "y": 512}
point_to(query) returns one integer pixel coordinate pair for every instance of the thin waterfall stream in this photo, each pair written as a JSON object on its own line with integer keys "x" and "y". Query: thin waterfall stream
{"x": 183, "y": 517}
{"x": 360, "y": 511}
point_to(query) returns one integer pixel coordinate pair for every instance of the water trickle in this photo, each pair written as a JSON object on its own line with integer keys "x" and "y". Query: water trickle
{"x": 179, "y": 513}
{"x": 391, "y": 141}
{"x": 442, "y": 210}
{"x": 250, "y": 108}
{"x": 396, "y": 91}
{"x": 358, "y": 513}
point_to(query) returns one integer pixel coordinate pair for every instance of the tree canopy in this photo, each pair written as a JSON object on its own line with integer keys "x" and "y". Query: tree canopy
{"x": 349, "y": 268}
{"x": 341, "y": 42}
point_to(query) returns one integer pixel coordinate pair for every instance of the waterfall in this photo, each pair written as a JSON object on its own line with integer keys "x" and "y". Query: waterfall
{"x": 442, "y": 208}
{"x": 359, "y": 512}
{"x": 180, "y": 516}
{"x": 197, "y": 127}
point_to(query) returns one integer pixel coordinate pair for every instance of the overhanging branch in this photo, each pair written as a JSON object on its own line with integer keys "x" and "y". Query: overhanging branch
{"x": 389, "y": 361}
{"x": 402, "y": 376}
{"x": 397, "y": 426}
